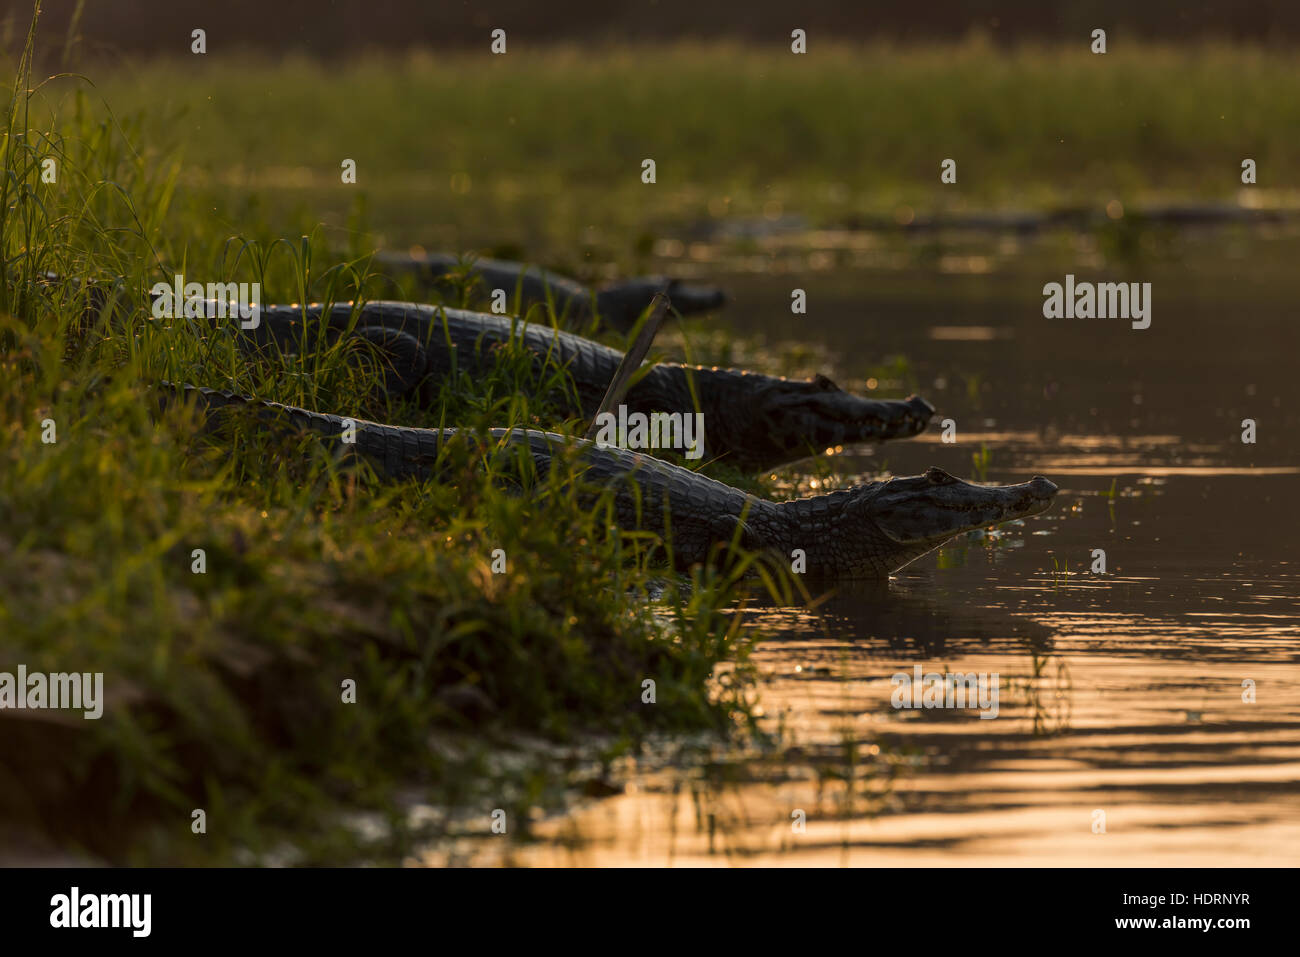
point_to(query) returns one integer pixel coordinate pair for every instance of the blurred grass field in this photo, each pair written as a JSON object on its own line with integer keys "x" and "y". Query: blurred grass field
{"x": 542, "y": 149}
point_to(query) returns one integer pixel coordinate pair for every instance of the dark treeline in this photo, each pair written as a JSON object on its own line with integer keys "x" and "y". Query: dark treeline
{"x": 339, "y": 27}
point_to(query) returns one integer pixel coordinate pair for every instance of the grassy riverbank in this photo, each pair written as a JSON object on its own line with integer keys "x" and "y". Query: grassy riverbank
{"x": 232, "y": 591}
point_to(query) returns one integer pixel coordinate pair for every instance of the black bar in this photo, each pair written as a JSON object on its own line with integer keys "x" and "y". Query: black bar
{"x": 325, "y": 908}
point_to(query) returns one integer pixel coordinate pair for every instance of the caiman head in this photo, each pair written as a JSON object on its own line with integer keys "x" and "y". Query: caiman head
{"x": 874, "y": 530}
{"x": 768, "y": 421}
{"x": 621, "y": 303}
{"x": 904, "y": 518}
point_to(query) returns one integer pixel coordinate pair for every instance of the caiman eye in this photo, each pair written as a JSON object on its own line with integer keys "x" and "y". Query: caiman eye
{"x": 938, "y": 476}
{"x": 824, "y": 383}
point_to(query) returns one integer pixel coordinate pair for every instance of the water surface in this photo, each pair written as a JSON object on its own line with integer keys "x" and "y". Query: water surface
{"x": 1149, "y": 715}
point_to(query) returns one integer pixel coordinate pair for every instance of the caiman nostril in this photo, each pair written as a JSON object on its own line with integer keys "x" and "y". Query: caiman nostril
{"x": 938, "y": 476}
{"x": 921, "y": 407}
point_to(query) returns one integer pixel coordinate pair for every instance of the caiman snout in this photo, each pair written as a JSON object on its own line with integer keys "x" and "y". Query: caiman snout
{"x": 921, "y": 409}
{"x": 1042, "y": 486}
{"x": 916, "y": 416}
{"x": 691, "y": 297}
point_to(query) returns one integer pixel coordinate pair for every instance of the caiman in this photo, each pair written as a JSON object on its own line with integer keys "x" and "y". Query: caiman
{"x": 865, "y": 532}
{"x": 751, "y": 420}
{"x": 618, "y": 304}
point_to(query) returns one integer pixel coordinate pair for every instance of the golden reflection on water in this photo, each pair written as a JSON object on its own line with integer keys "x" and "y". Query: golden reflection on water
{"x": 1185, "y": 772}
{"x": 1148, "y": 716}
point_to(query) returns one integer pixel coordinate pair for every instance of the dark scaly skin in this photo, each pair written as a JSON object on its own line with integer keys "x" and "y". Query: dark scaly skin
{"x": 751, "y": 420}
{"x": 619, "y": 303}
{"x": 864, "y": 532}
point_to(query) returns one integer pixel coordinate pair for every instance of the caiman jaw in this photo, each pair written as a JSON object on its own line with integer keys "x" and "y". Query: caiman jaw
{"x": 932, "y": 508}
{"x": 875, "y": 420}
{"x": 819, "y": 414}
{"x": 918, "y": 415}
{"x": 874, "y": 530}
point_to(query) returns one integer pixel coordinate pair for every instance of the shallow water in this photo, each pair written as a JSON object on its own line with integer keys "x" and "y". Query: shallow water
{"x": 1125, "y": 731}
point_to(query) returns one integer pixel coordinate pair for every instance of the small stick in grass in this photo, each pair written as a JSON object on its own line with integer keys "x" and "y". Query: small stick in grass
{"x": 622, "y": 379}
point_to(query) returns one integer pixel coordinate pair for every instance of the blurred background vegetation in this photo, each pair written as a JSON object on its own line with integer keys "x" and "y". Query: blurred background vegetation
{"x": 538, "y": 152}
